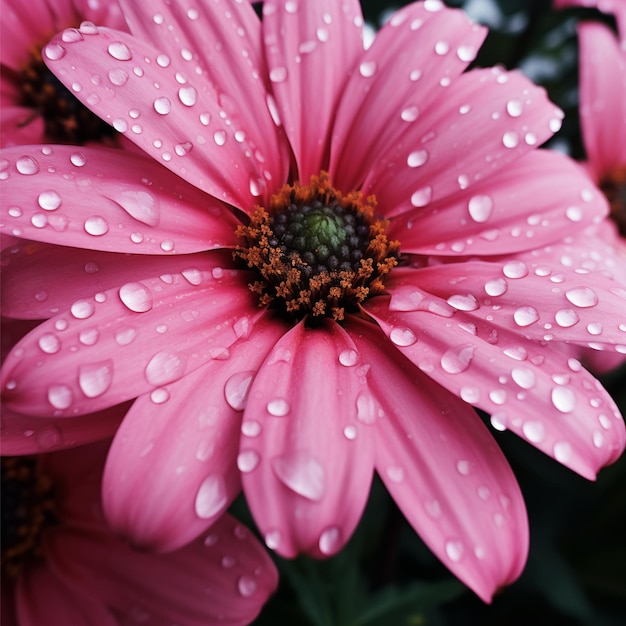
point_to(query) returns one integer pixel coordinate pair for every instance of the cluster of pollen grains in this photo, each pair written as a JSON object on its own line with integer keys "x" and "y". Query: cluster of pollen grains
{"x": 65, "y": 118}
{"x": 318, "y": 253}
{"x": 27, "y": 508}
{"x": 614, "y": 188}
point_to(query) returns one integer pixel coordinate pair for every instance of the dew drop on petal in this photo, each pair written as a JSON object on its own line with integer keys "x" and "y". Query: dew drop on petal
{"x": 525, "y": 316}
{"x": 350, "y": 433}
{"x": 302, "y": 473}
{"x": 247, "y": 460}
{"x": 510, "y": 139}
{"x": 562, "y": 451}
{"x": 367, "y": 69}
{"x": 566, "y": 318}
{"x": 278, "y": 407}
{"x": 563, "y": 399}
{"x": 367, "y": 409}
{"x": 251, "y": 428}
{"x": 480, "y": 208}
{"x": 54, "y": 51}
{"x": 278, "y": 74}
{"x": 60, "y": 396}
{"x": 454, "y": 550}
{"x": 417, "y": 158}
{"x": 247, "y": 586}
{"x": 211, "y": 498}
{"x": 471, "y": 395}
{"x": 162, "y": 105}
{"x": 95, "y": 378}
{"x": 49, "y": 200}
{"x": 457, "y": 359}
{"x": 348, "y": 357}
{"x": 496, "y": 287}
{"x": 82, "y": 309}
{"x": 330, "y": 540}
{"x": 582, "y": 297}
{"x": 188, "y": 95}
{"x": 463, "y": 302}
{"x": 49, "y": 343}
{"x": 402, "y": 337}
{"x": 515, "y": 269}
{"x": 534, "y": 431}
{"x": 96, "y": 226}
{"x": 395, "y": 473}
{"x": 119, "y": 51}
{"x": 136, "y": 297}
{"x": 514, "y": 108}
{"x": 524, "y": 377}
{"x": 165, "y": 367}
{"x": 26, "y": 165}
{"x": 422, "y": 197}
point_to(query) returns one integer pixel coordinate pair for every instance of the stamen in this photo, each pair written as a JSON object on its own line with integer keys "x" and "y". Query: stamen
{"x": 318, "y": 253}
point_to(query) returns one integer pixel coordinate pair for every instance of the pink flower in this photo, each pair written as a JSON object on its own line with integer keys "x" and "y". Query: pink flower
{"x": 35, "y": 107}
{"x": 64, "y": 565}
{"x": 307, "y": 360}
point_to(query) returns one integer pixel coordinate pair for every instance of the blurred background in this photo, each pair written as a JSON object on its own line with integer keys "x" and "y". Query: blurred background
{"x": 576, "y": 572}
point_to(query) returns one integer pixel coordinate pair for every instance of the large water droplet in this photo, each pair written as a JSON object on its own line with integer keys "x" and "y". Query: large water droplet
{"x": 236, "y": 389}
{"x": 302, "y": 473}
{"x": 330, "y": 540}
{"x": 534, "y": 431}
{"x": 480, "y": 208}
{"x": 367, "y": 409}
{"x": 211, "y": 498}
{"x": 563, "y": 399}
{"x": 454, "y": 550}
{"x": 119, "y": 51}
{"x": 165, "y": 367}
{"x": 27, "y": 165}
{"x": 525, "y": 316}
{"x": 96, "y": 225}
{"x": 247, "y": 460}
{"x": 247, "y": 586}
{"x": 524, "y": 377}
{"x": 566, "y": 318}
{"x": 402, "y": 337}
{"x": 49, "y": 200}
{"x": 463, "y": 302}
{"x": 140, "y": 205}
{"x": 49, "y": 343}
{"x": 82, "y": 309}
{"x": 582, "y": 297}
{"x": 278, "y": 407}
{"x": 457, "y": 359}
{"x": 162, "y": 105}
{"x": 95, "y": 378}
{"x": 136, "y": 297}
{"x": 562, "y": 451}
{"x": 417, "y": 158}
{"x": 60, "y": 396}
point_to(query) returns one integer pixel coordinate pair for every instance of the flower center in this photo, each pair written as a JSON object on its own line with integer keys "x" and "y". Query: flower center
{"x": 27, "y": 508}
{"x": 317, "y": 252}
{"x": 614, "y": 188}
{"x": 66, "y": 119}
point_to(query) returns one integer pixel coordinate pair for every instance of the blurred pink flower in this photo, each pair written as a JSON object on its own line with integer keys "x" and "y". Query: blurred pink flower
{"x": 351, "y": 365}
{"x": 64, "y": 566}
{"x": 34, "y": 106}
{"x": 615, "y": 7}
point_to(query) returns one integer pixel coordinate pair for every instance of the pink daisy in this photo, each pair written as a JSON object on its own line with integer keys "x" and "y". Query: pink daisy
{"x": 61, "y": 564}
{"x": 34, "y": 106}
{"x": 318, "y": 288}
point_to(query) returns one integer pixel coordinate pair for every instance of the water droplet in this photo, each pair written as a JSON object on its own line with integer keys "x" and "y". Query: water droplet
{"x": 410, "y": 114}
{"x": 95, "y": 378}
{"x": 367, "y": 69}
{"x": 464, "y": 468}
{"x": 515, "y": 269}
{"x": 442, "y": 47}
{"x": 457, "y": 359}
{"x": 60, "y": 396}
{"x": 514, "y": 108}
{"x": 160, "y": 396}
{"x": 470, "y": 394}
{"x": 348, "y": 358}
{"x": 510, "y": 139}
{"x": 96, "y": 226}
{"x": 466, "y": 53}
{"x": 278, "y": 74}
{"x": 250, "y": 428}
{"x": 162, "y": 105}
{"x": 247, "y": 586}
{"x": 211, "y": 498}
{"x": 165, "y": 367}
{"x": 49, "y": 343}
{"x": 26, "y": 165}
{"x": 54, "y": 51}
{"x": 395, "y": 473}
{"x": 367, "y": 409}
{"x": 118, "y": 77}
{"x": 278, "y": 407}
{"x": 422, "y": 197}
{"x": 302, "y": 473}
{"x": 82, "y": 309}
{"x": 574, "y": 213}
{"x": 402, "y": 337}
{"x": 496, "y": 287}
{"x": 454, "y": 550}
{"x": 136, "y": 297}
{"x": 119, "y": 51}
{"x": 272, "y": 539}
{"x": 350, "y": 432}
{"x": 566, "y": 318}
{"x": 525, "y": 316}
{"x": 563, "y": 399}
{"x": 125, "y": 336}
{"x": 219, "y": 137}
{"x": 480, "y": 208}
{"x": 188, "y": 95}
{"x": 535, "y": 432}
{"x": 582, "y": 297}
{"x": 330, "y": 540}
{"x": 417, "y": 158}
{"x": 247, "y": 460}
{"x": 562, "y": 451}
{"x": 463, "y": 302}
{"x": 523, "y": 377}
{"x": 594, "y": 328}
{"x": 49, "y": 200}
{"x": 78, "y": 159}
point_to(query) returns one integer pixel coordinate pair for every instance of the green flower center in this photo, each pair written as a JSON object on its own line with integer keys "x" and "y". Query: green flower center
{"x": 317, "y": 252}
{"x": 27, "y": 509}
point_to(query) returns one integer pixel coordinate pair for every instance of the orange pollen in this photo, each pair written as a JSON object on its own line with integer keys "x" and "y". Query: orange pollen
{"x": 317, "y": 252}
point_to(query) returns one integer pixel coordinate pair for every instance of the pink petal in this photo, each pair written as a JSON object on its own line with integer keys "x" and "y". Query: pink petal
{"x": 111, "y": 200}
{"x": 397, "y": 79}
{"x": 542, "y": 395}
{"x": 148, "y": 334}
{"x": 313, "y": 44}
{"x": 24, "y": 434}
{"x": 180, "y": 124}
{"x": 445, "y": 471}
{"x": 602, "y": 97}
{"x": 31, "y": 288}
{"x": 20, "y": 126}
{"x": 172, "y": 467}
{"x": 41, "y": 594}
{"x": 487, "y": 120}
{"x": 535, "y": 200}
{"x": 224, "y": 577}
{"x": 307, "y": 451}
{"x": 226, "y": 44}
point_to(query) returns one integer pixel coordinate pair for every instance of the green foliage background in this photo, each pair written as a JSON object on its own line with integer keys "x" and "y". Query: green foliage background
{"x": 576, "y": 572}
